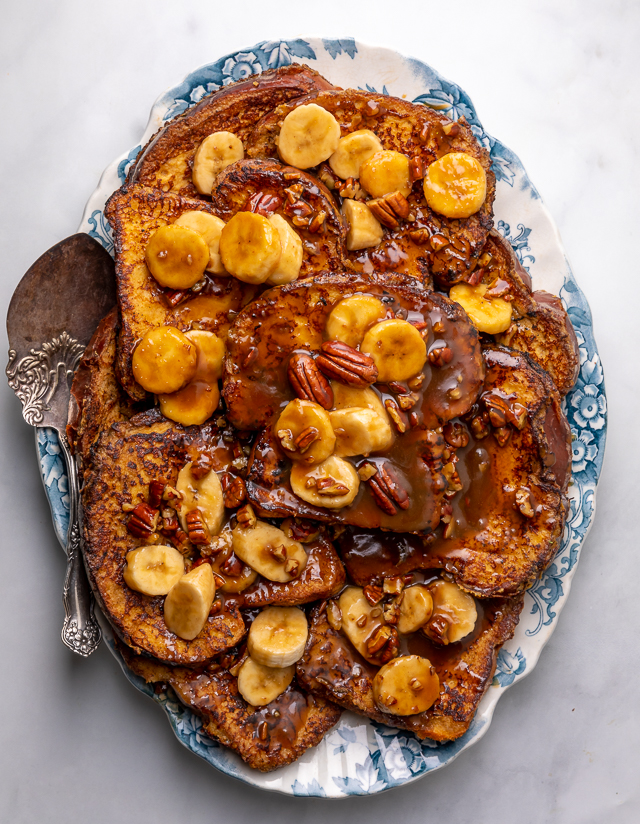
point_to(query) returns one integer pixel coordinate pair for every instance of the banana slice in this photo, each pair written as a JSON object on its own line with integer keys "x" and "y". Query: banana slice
{"x": 386, "y": 172}
{"x": 415, "y": 608}
{"x": 487, "y": 315}
{"x": 333, "y": 484}
{"x": 358, "y": 621}
{"x": 211, "y": 351}
{"x": 278, "y": 636}
{"x": 153, "y": 570}
{"x": 260, "y": 685}
{"x": 269, "y": 552}
{"x": 309, "y": 135}
{"x": 210, "y": 227}
{"x": 305, "y": 433}
{"x": 360, "y": 431}
{"x": 177, "y": 256}
{"x": 288, "y": 268}
{"x": 454, "y": 613}
{"x": 455, "y": 185}
{"x": 364, "y": 229}
{"x": 406, "y": 685}
{"x": 186, "y": 607}
{"x": 204, "y": 494}
{"x": 250, "y": 247}
{"x": 353, "y": 150}
{"x": 351, "y": 318}
{"x": 164, "y": 360}
{"x": 192, "y": 405}
{"x": 346, "y": 397}
{"x": 397, "y": 349}
{"x": 214, "y": 154}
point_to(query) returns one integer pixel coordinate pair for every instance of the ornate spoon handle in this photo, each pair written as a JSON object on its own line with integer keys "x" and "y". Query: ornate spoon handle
{"x": 80, "y": 631}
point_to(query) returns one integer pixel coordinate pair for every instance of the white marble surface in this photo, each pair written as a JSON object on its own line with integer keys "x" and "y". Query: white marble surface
{"x": 559, "y": 84}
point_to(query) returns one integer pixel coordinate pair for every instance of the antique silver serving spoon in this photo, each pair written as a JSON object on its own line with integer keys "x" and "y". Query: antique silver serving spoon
{"x": 53, "y": 313}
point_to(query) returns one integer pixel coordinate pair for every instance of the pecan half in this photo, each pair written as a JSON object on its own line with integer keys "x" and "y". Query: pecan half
{"x": 416, "y": 168}
{"x": 344, "y": 363}
{"x": 246, "y": 517}
{"x": 455, "y": 434}
{"x": 308, "y": 382}
{"x": 156, "y": 490}
{"x": 143, "y": 520}
{"x": 198, "y": 532}
{"x": 387, "y": 491}
{"x": 373, "y": 594}
{"x": 235, "y": 492}
{"x": 202, "y": 465}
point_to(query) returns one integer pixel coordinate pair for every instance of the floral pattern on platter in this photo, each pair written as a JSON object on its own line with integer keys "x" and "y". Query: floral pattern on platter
{"x": 360, "y": 757}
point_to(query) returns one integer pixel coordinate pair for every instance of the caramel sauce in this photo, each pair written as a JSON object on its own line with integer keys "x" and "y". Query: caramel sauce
{"x": 285, "y": 718}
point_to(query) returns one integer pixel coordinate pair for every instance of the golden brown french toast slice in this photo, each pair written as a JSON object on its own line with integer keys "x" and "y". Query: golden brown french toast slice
{"x": 332, "y": 668}
{"x": 165, "y": 162}
{"x": 303, "y": 201}
{"x": 505, "y": 522}
{"x": 264, "y": 737}
{"x": 135, "y": 213}
{"x": 126, "y": 459}
{"x": 429, "y": 243}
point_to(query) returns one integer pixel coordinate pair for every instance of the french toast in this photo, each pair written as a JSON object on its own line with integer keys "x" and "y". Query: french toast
{"x": 165, "y": 162}
{"x": 332, "y": 668}
{"x": 264, "y": 737}
{"x": 425, "y": 136}
{"x": 127, "y": 457}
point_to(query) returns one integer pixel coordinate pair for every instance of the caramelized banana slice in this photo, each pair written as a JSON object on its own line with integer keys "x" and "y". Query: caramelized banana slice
{"x": 353, "y": 150}
{"x": 192, "y": 405}
{"x": 351, "y": 318}
{"x": 211, "y": 350}
{"x": 214, "y": 154}
{"x": 260, "y": 685}
{"x": 290, "y": 262}
{"x": 406, "y": 686}
{"x": 204, "y": 494}
{"x": 177, "y": 256}
{"x": 164, "y": 360}
{"x": 153, "y": 570}
{"x": 308, "y": 135}
{"x": 360, "y": 620}
{"x": 454, "y": 613}
{"x": 278, "y": 636}
{"x": 455, "y": 185}
{"x": 186, "y": 607}
{"x": 360, "y": 431}
{"x": 491, "y": 315}
{"x": 269, "y": 551}
{"x": 346, "y": 397}
{"x": 364, "y": 230}
{"x": 416, "y": 608}
{"x": 305, "y": 433}
{"x": 250, "y": 247}
{"x": 210, "y": 227}
{"x": 333, "y": 484}
{"x": 386, "y": 172}
{"x": 397, "y": 349}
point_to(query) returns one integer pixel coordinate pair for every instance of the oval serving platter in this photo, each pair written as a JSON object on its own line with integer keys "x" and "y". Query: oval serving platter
{"x": 359, "y": 756}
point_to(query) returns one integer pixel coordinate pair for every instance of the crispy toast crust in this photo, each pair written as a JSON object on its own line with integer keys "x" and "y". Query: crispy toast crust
{"x": 416, "y": 131}
{"x": 125, "y": 459}
{"x": 265, "y": 737}
{"x": 165, "y": 162}
{"x": 333, "y": 669}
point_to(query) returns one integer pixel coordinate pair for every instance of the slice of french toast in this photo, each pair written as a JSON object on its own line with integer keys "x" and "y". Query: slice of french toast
{"x": 332, "y": 668}
{"x": 429, "y": 243}
{"x": 165, "y": 162}
{"x": 135, "y": 213}
{"x": 302, "y": 200}
{"x": 264, "y": 737}
{"x": 124, "y": 461}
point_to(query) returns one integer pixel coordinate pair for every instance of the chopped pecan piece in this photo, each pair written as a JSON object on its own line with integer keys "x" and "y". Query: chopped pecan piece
{"x": 416, "y": 168}
{"x": 156, "y": 489}
{"x": 387, "y": 492}
{"x": 455, "y": 434}
{"x": 344, "y": 363}
{"x": 407, "y": 402}
{"x": 317, "y": 221}
{"x": 440, "y": 356}
{"x": 292, "y": 567}
{"x": 330, "y": 486}
{"x": 232, "y": 566}
{"x": 308, "y": 382}
{"x": 235, "y": 492}
{"x": 263, "y": 204}
{"x": 246, "y": 517}
{"x": 143, "y": 520}
{"x": 524, "y": 503}
{"x": 181, "y": 542}
{"x": 198, "y": 532}
{"x": 300, "y": 530}
{"x": 393, "y": 411}
{"x": 373, "y": 594}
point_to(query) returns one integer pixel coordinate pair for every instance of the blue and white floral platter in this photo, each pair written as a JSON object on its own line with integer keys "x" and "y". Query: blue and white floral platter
{"x": 358, "y": 756}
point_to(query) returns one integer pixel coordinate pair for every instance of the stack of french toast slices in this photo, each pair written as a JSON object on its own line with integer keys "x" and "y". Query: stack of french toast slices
{"x": 321, "y": 440}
